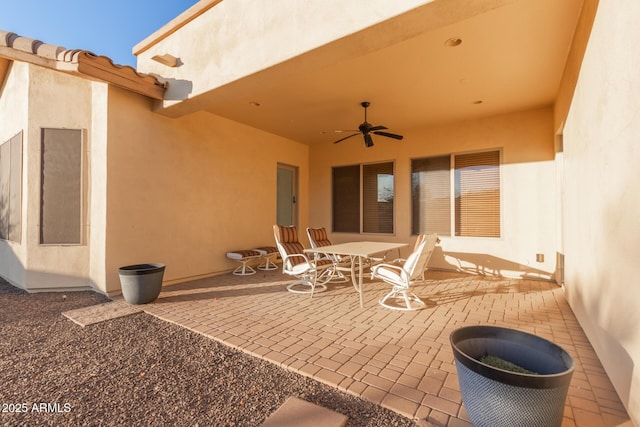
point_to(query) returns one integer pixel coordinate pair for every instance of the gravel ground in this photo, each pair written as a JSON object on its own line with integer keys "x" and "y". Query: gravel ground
{"x": 138, "y": 370}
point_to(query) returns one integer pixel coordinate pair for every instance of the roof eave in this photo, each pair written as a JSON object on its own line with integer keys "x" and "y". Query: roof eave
{"x": 102, "y": 68}
{"x": 78, "y": 62}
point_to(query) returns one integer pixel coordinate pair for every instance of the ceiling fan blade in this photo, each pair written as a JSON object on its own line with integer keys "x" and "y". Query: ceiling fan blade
{"x": 368, "y": 141}
{"x": 377, "y": 128}
{"x": 346, "y": 137}
{"x": 389, "y": 135}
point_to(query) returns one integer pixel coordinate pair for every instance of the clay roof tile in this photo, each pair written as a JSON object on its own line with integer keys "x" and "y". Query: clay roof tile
{"x": 98, "y": 66}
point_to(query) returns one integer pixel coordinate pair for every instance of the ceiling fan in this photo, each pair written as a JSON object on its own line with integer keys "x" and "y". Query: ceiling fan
{"x": 367, "y": 128}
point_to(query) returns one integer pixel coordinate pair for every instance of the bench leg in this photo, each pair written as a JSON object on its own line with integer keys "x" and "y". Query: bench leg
{"x": 268, "y": 263}
{"x": 244, "y": 269}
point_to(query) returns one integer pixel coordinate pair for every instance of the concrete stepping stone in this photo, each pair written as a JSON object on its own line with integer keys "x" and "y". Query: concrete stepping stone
{"x": 296, "y": 412}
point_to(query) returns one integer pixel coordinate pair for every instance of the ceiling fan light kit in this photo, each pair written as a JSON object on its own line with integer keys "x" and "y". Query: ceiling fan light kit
{"x": 366, "y": 129}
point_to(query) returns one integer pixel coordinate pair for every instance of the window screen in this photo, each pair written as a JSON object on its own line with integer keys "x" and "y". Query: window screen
{"x": 11, "y": 189}
{"x": 61, "y": 203}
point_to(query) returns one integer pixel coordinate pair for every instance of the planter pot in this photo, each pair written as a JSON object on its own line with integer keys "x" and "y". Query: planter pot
{"x": 496, "y": 397}
{"x": 141, "y": 283}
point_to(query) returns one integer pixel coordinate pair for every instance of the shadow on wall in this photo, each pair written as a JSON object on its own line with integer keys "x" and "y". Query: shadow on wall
{"x": 177, "y": 89}
{"x": 486, "y": 265}
{"x": 13, "y": 271}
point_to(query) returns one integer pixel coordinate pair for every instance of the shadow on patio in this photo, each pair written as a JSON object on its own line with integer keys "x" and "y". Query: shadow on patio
{"x": 399, "y": 360}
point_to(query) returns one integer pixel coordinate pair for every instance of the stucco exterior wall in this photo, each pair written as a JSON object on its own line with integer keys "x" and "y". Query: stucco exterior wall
{"x": 14, "y": 117}
{"x": 528, "y": 190}
{"x": 601, "y": 203}
{"x": 186, "y": 191}
{"x": 97, "y": 185}
{"x": 226, "y": 32}
{"x": 35, "y": 98}
{"x": 56, "y": 100}
{"x": 253, "y": 43}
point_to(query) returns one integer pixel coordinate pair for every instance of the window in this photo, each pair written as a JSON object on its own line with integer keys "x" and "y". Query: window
{"x": 363, "y": 198}
{"x": 61, "y": 209}
{"x": 11, "y": 189}
{"x": 459, "y": 192}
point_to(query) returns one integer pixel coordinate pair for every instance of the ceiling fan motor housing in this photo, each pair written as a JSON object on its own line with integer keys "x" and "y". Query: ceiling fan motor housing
{"x": 365, "y": 127}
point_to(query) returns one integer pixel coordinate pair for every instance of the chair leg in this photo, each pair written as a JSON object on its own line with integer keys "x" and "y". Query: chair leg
{"x": 325, "y": 276}
{"x": 305, "y": 287}
{"x": 338, "y": 277}
{"x": 402, "y": 295}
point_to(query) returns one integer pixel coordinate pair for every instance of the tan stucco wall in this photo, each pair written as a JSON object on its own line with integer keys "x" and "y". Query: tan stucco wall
{"x": 528, "y": 189}
{"x": 574, "y": 62}
{"x": 242, "y": 41}
{"x": 13, "y": 119}
{"x": 186, "y": 191}
{"x": 36, "y": 98}
{"x": 601, "y": 219}
{"x": 97, "y": 185}
{"x": 270, "y": 36}
{"x": 56, "y": 100}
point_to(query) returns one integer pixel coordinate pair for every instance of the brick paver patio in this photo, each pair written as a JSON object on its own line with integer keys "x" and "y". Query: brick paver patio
{"x": 402, "y": 361}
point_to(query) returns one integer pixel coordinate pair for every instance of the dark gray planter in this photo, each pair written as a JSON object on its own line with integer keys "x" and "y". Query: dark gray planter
{"x": 495, "y": 397}
{"x": 141, "y": 283}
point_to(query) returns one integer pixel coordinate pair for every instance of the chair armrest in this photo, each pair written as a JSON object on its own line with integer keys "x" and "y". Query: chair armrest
{"x": 286, "y": 259}
{"x": 396, "y": 268}
{"x": 386, "y": 265}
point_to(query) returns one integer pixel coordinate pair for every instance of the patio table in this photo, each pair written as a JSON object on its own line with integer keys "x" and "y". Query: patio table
{"x": 359, "y": 252}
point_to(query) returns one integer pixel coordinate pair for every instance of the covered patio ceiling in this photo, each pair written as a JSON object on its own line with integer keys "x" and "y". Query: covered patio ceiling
{"x": 511, "y": 58}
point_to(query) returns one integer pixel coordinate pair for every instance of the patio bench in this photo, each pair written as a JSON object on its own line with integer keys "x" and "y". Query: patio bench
{"x": 268, "y": 254}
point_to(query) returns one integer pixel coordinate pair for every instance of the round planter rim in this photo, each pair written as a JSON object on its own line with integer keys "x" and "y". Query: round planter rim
{"x": 539, "y": 381}
{"x": 139, "y": 269}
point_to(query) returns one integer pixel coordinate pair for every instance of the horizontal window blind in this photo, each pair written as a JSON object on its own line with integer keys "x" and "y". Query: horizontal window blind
{"x": 377, "y": 198}
{"x": 431, "y": 195}
{"x": 11, "y": 189}
{"x": 363, "y": 198}
{"x": 346, "y": 199}
{"x": 477, "y": 194}
{"x": 5, "y": 177}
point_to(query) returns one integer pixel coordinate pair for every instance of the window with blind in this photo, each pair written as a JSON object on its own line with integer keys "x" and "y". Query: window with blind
{"x": 457, "y": 195}
{"x": 11, "y": 189}
{"x": 61, "y": 211}
{"x": 363, "y": 197}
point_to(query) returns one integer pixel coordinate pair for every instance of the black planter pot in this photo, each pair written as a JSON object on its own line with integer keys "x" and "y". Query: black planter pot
{"x": 141, "y": 283}
{"x": 495, "y": 397}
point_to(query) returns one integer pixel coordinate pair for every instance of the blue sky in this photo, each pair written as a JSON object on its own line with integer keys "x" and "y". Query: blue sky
{"x": 104, "y": 27}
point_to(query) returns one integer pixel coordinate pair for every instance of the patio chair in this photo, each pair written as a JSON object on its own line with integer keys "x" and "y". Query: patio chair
{"x": 312, "y": 274}
{"x": 400, "y": 261}
{"x": 402, "y": 276}
{"x": 342, "y": 264}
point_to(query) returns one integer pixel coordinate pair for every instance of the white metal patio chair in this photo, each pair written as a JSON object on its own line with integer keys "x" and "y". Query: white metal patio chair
{"x": 402, "y": 276}
{"x": 312, "y": 274}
